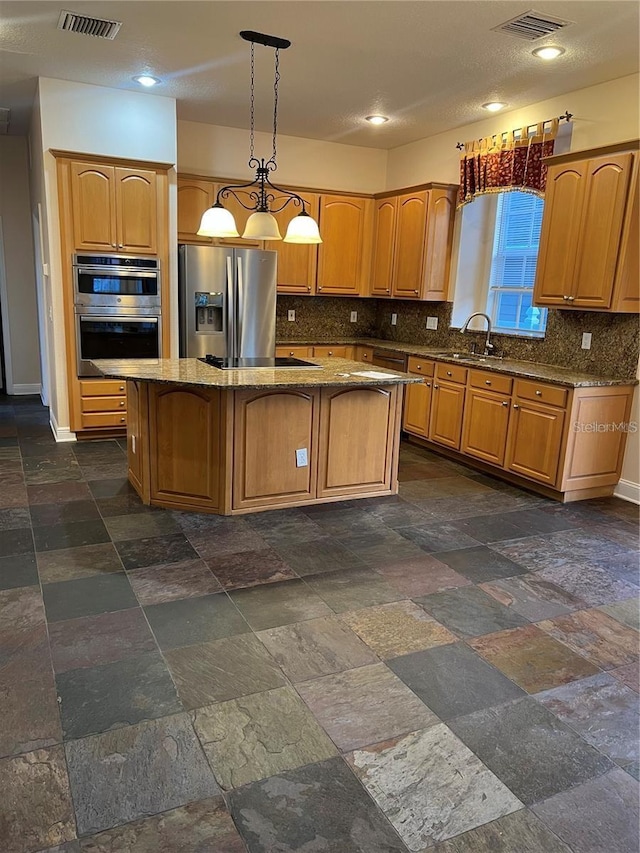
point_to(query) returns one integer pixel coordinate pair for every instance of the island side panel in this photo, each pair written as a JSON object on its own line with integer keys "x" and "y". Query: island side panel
{"x": 138, "y": 438}
{"x": 358, "y": 438}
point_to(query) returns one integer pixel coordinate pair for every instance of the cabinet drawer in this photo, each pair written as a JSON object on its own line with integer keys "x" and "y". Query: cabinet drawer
{"x": 104, "y": 404}
{"x": 104, "y": 419}
{"x": 294, "y": 352}
{"x": 551, "y": 394}
{"x": 364, "y": 354}
{"x": 419, "y": 365}
{"x": 327, "y": 352}
{"x": 451, "y": 373}
{"x": 490, "y": 381}
{"x": 102, "y": 387}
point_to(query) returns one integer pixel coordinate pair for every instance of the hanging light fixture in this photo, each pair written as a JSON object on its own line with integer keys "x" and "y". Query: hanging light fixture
{"x": 260, "y": 195}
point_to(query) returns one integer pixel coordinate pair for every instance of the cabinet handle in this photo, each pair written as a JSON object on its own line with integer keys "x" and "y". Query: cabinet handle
{"x": 506, "y": 403}
{"x": 538, "y": 393}
{"x": 516, "y": 406}
{"x": 487, "y": 382}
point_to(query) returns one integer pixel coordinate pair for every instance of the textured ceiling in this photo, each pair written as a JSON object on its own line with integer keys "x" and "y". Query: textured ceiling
{"x": 428, "y": 65}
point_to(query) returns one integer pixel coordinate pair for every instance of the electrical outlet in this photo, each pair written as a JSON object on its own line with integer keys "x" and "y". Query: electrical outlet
{"x": 354, "y": 317}
{"x": 291, "y": 315}
{"x": 394, "y": 319}
{"x": 586, "y": 340}
{"x": 432, "y": 323}
{"x": 301, "y": 458}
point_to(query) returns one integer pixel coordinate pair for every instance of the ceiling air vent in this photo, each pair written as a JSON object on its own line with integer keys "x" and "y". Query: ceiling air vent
{"x": 532, "y": 25}
{"x": 4, "y": 120}
{"x": 99, "y": 27}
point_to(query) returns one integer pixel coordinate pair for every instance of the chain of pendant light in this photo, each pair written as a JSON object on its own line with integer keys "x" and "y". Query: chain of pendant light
{"x": 276, "y": 80}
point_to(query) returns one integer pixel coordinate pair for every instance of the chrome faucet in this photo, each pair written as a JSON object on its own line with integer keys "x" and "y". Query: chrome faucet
{"x": 488, "y": 346}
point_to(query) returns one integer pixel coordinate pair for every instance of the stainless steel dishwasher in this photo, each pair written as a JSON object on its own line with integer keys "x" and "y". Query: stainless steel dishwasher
{"x": 390, "y": 360}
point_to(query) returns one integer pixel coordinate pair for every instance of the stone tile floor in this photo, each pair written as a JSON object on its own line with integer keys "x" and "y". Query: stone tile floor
{"x": 454, "y": 669}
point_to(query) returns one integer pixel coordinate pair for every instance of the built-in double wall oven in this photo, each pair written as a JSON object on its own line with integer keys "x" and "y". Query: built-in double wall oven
{"x": 117, "y": 308}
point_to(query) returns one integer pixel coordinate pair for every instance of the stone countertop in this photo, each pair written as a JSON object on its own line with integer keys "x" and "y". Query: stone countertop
{"x": 190, "y": 371}
{"x": 523, "y": 369}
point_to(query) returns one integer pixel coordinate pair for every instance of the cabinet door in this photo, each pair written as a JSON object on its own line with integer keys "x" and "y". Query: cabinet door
{"x": 356, "y": 440}
{"x": 408, "y": 267}
{"x": 194, "y": 197}
{"x": 484, "y": 432}
{"x": 181, "y": 419}
{"x": 439, "y": 242}
{"x": 560, "y": 233}
{"x": 417, "y": 408}
{"x": 383, "y": 245}
{"x": 270, "y": 428}
{"x": 535, "y": 441}
{"x": 94, "y": 207}
{"x": 447, "y": 405}
{"x": 601, "y": 231}
{"x": 296, "y": 262}
{"x": 137, "y": 452}
{"x": 340, "y": 255}
{"x": 137, "y": 211}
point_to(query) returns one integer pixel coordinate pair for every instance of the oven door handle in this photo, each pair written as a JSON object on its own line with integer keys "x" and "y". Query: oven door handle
{"x": 115, "y": 318}
{"x": 119, "y": 272}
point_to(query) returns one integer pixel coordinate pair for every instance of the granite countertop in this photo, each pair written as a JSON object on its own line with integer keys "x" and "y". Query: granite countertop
{"x": 524, "y": 369}
{"x": 191, "y": 371}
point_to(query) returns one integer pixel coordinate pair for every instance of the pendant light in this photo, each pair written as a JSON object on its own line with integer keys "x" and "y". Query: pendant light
{"x": 260, "y": 195}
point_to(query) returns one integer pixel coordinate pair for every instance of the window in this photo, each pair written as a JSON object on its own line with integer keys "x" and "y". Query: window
{"x": 513, "y": 265}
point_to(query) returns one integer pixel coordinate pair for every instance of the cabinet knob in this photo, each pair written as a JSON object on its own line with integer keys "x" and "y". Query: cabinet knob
{"x": 428, "y": 385}
{"x": 487, "y": 382}
{"x": 121, "y": 245}
{"x": 122, "y": 387}
{"x": 309, "y": 287}
{"x": 114, "y": 245}
{"x": 291, "y": 353}
{"x": 505, "y": 403}
{"x": 387, "y": 290}
{"x": 319, "y": 287}
{"x": 449, "y": 373}
{"x": 122, "y": 402}
{"x": 570, "y": 298}
{"x": 418, "y": 367}
{"x": 435, "y": 387}
{"x": 122, "y": 420}
{"x": 416, "y": 291}
{"x": 516, "y": 406}
{"x": 538, "y": 393}
{"x": 330, "y": 352}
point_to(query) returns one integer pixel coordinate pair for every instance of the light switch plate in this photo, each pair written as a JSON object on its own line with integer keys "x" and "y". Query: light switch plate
{"x": 354, "y": 317}
{"x": 394, "y": 319}
{"x": 432, "y": 323}
{"x": 586, "y": 340}
{"x": 301, "y": 458}
{"x": 291, "y": 315}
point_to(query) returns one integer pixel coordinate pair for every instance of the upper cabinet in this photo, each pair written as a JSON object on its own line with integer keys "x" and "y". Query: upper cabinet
{"x": 114, "y": 208}
{"x": 413, "y": 235}
{"x": 589, "y": 242}
{"x": 194, "y": 197}
{"x": 297, "y": 262}
{"x": 343, "y": 256}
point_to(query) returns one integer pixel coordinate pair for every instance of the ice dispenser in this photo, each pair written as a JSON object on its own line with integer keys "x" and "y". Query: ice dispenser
{"x": 209, "y": 307}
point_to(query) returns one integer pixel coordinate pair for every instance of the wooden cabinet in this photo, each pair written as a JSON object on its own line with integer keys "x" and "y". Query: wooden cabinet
{"x": 417, "y": 399}
{"x": 331, "y": 352}
{"x": 447, "y": 406}
{"x": 103, "y": 403}
{"x": 194, "y": 197}
{"x": 297, "y": 263}
{"x": 181, "y": 418}
{"x": 364, "y": 354}
{"x": 137, "y": 437}
{"x": 588, "y": 243}
{"x": 486, "y": 420}
{"x": 114, "y": 208}
{"x": 271, "y": 428}
{"x": 294, "y": 351}
{"x": 413, "y": 237}
{"x": 535, "y": 440}
{"x": 356, "y": 444}
{"x": 345, "y": 225}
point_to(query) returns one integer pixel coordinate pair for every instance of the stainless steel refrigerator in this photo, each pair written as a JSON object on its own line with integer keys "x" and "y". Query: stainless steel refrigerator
{"x": 227, "y": 301}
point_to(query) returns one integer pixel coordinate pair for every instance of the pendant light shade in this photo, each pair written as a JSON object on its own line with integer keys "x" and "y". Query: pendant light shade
{"x": 217, "y": 221}
{"x": 262, "y": 226}
{"x": 303, "y": 229}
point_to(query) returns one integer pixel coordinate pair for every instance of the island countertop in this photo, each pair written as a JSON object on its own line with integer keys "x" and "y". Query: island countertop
{"x": 191, "y": 371}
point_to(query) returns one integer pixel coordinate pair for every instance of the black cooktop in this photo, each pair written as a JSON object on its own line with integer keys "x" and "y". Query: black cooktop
{"x": 252, "y": 363}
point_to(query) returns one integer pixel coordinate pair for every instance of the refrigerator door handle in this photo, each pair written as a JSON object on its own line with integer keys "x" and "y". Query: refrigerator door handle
{"x": 231, "y": 310}
{"x": 240, "y": 311}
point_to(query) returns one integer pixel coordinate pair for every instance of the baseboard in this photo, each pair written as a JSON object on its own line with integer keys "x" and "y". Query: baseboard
{"x": 60, "y": 433}
{"x": 628, "y": 491}
{"x": 24, "y": 390}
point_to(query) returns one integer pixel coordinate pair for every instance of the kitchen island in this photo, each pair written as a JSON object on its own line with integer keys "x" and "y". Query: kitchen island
{"x": 237, "y": 441}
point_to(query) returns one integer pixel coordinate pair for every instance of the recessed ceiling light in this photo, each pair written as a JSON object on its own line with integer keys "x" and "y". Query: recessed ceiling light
{"x": 146, "y": 80}
{"x": 549, "y": 52}
{"x": 376, "y": 119}
{"x": 494, "y": 106}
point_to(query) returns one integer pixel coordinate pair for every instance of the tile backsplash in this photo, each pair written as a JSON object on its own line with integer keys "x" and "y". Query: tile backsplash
{"x": 614, "y": 347}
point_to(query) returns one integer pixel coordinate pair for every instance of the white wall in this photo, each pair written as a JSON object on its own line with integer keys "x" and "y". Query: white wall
{"x": 19, "y": 314}
{"x": 603, "y": 114}
{"x": 205, "y": 149}
{"x": 81, "y": 118}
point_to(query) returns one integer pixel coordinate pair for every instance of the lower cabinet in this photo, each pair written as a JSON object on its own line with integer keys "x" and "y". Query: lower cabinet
{"x": 447, "y": 407}
{"x": 417, "y": 408}
{"x": 103, "y": 403}
{"x": 535, "y": 441}
{"x": 486, "y": 420}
